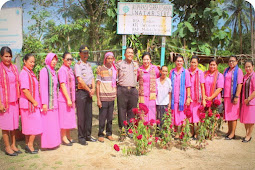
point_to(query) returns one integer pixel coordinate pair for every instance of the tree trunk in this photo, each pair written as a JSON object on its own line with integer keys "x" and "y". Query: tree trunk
{"x": 240, "y": 33}
{"x": 252, "y": 40}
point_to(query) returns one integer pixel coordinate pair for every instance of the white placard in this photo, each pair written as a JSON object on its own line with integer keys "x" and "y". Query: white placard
{"x": 145, "y": 18}
{"x": 11, "y": 28}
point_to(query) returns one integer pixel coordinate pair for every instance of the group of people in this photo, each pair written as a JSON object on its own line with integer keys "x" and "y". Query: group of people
{"x": 48, "y": 106}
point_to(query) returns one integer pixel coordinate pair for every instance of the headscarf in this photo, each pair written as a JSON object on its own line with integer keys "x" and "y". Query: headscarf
{"x": 48, "y": 60}
{"x": 114, "y": 71}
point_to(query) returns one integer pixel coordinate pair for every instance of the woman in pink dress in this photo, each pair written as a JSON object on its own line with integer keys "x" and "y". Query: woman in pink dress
{"x": 197, "y": 92}
{"x": 49, "y": 89}
{"x": 9, "y": 107}
{"x": 66, "y": 99}
{"x": 214, "y": 82}
{"x": 147, "y": 75}
{"x": 30, "y": 103}
{"x": 233, "y": 79}
{"x": 247, "y": 116}
{"x": 180, "y": 79}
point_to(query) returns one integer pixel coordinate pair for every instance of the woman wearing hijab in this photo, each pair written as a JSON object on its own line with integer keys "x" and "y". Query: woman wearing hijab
{"x": 49, "y": 89}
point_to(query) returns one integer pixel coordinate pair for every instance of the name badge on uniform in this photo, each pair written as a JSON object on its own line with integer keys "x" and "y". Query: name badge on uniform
{"x": 84, "y": 74}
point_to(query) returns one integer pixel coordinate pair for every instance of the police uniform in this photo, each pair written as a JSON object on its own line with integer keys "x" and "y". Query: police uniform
{"x": 84, "y": 101}
{"x": 127, "y": 94}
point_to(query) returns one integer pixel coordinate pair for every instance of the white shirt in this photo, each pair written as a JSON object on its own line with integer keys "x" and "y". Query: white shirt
{"x": 163, "y": 91}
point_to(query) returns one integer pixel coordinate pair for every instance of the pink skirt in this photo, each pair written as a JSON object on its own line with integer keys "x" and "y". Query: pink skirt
{"x": 247, "y": 115}
{"x": 231, "y": 110}
{"x": 31, "y": 122}
{"x": 177, "y": 116}
{"x": 67, "y": 117}
{"x": 151, "y": 104}
{"x": 51, "y": 132}
{"x": 10, "y": 119}
{"x": 195, "y": 112}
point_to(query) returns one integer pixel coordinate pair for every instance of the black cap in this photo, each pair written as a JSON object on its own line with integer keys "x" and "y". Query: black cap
{"x": 84, "y": 48}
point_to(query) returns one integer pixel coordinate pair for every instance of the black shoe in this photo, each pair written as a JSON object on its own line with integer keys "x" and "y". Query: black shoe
{"x": 83, "y": 142}
{"x": 27, "y": 150}
{"x": 18, "y": 152}
{"x": 246, "y": 141}
{"x": 67, "y": 144}
{"x": 71, "y": 141}
{"x": 228, "y": 138}
{"x": 11, "y": 154}
{"x": 91, "y": 139}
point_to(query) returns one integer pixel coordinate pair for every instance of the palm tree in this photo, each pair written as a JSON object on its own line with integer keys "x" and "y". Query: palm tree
{"x": 238, "y": 18}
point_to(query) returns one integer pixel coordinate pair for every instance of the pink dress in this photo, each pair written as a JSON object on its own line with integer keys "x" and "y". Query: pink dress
{"x": 209, "y": 83}
{"x": 151, "y": 104}
{"x": 177, "y": 115}
{"x": 10, "y": 119}
{"x": 31, "y": 121}
{"x": 67, "y": 118}
{"x": 247, "y": 114}
{"x": 50, "y": 120}
{"x": 231, "y": 110}
{"x": 194, "y": 105}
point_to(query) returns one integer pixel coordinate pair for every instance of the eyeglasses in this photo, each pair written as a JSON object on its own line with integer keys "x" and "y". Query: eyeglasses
{"x": 232, "y": 61}
{"x": 69, "y": 59}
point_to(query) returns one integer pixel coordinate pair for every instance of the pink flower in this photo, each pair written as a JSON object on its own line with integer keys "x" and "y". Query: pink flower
{"x": 217, "y": 116}
{"x": 168, "y": 114}
{"x": 145, "y": 123}
{"x": 182, "y": 122}
{"x": 157, "y": 122}
{"x": 139, "y": 137}
{"x": 166, "y": 110}
{"x": 143, "y": 108}
{"x": 130, "y": 131}
{"x": 175, "y": 130}
{"x": 149, "y": 143}
{"x": 152, "y": 121}
{"x": 216, "y": 102}
{"x": 156, "y": 139}
{"x": 171, "y": 126}
{"x": 201, "y": 108}
{"x": 116, "y": 147}
{"x": 210, "y": 113}
{"x": 125, "y": 123}
{"x": 208, "y": 103}
{"x": 188, "y": 112}
{"x": 202, "y": 116}
{"x": 132, "y": 120}
{"x": 135, "y": 111}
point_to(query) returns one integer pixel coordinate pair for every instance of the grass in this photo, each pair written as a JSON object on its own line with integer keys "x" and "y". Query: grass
{"x": 33, "y": 165}
{"x": 59, "y": 163}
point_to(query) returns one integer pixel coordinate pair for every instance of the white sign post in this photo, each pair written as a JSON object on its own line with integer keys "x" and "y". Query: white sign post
{"x": 145, "y": 19}
{"x": 11, "y": 29}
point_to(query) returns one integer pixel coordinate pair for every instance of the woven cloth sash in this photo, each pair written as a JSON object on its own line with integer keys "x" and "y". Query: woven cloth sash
{"x": 31, "y": 88}
{"x": 182, "y": 90}
{"x": 152, "y": 85}
{"x": 234, "y": 78}
{"x": 247, "y": 86}
{"x": 50, "y": 89}
{"x": 215, "y": 78}
{"x": 197, "y": 88}
{"x": 5, "y": 83}
{"x": 70, "y": 85}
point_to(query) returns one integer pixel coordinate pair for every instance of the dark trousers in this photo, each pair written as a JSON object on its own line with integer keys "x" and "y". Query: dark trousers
{"x": 161, "y": 110}
{"x": 127, "y": 99}
{"x": 84, "y": 114}
{"x": 106, "y": 113}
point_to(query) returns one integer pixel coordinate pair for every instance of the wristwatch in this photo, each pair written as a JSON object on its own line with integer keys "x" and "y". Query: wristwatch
{"x": 236, "y": 97}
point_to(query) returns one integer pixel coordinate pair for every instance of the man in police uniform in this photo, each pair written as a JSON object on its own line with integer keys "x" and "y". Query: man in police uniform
{"x": 127, "y": 94}
{"x": 84, "y": 93}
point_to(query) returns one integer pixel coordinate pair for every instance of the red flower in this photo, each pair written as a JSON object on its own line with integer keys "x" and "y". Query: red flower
{"x": 149, "y": 143}
{"x": 130, "y": 131}
{"x": 166, "y": 110}
{"x": 181, "y": 136}
{"x": 139, "y": 137}
{"x": 156, "y": 139}
{"x": 152, "y": 121}
{"x": 182, "y": 122}
{"x": 168, "y": 114}
{"x": 157, "y": 122}
{"x": 202, "y": 116}
{"x": 210, "y": 113}
{"x": 116, "y": 147}
{"x": 143, "y": 108}
{"x": 145, "y": 123}
{"x": 135, "y": 111}
{"x": 132, "y": 120}
{"x": 208, "y": 103}
{"x": 201, "y": 108}
{"x": 217, "y": 116}
{"x": 125, "y": 123}
{"x": 171, "y": 126}
{"x": 188, "y": 112}
{"x": 216, "y": 102}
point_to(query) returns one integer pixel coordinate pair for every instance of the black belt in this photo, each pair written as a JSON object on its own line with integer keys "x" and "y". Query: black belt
{"x": 127, "y": 87}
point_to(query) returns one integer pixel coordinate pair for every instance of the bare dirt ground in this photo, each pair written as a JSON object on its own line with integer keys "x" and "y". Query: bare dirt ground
{"x": 218, "y": 154}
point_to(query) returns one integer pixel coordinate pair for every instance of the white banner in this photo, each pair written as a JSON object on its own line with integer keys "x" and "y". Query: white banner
{"x": 144, "y": 18}
{"x": 11, "y": 28}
